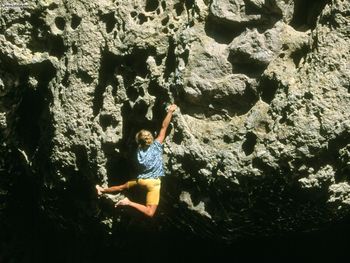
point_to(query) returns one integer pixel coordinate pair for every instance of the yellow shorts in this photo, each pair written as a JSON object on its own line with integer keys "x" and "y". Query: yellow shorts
{"x": 153, "y": 189}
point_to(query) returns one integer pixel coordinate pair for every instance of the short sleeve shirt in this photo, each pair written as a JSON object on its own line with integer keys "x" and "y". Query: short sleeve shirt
{"x": 150, "y": 161}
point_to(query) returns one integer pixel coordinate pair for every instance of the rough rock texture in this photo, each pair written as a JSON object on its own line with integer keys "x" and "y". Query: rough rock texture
{"x": 260, "y": 143}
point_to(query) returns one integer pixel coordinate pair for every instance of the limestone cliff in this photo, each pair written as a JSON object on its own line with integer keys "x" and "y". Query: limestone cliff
{"x": 260, "y": 142}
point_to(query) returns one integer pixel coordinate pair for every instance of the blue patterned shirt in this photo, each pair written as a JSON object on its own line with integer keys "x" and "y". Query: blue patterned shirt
{"x": 150, "y": 161}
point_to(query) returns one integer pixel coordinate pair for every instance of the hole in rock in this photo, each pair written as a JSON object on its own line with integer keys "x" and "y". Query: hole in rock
{"x": 189, "y": 4}
{"x": 106, "y": 121}
{"x": 267, "y": 89}
{"x": 52, "y": 6}
{"x": 249, "y": 143}
{"x": 178, "y": 137}
{"x": 60, "y": 23}
{"x": 74, "y": 48}
{"x": 170, "y": 62}
{"x": 151, "y": 5}
{"x": 142, "y": 18}
{"x": 163, "y": 5}
{"x": 165, "y": 21}
{"x": 179, "y": 8}
{"x": 228, "y": 139}
{"x": 84, "y": 76}
{"x": 56, "y": 46}
{"x": 306, "y": 13}
{"x": 110, "y": 21}
{"x": 242, "y": 63}
{"x": 221, "y": 31}
{"x": 75, "y": 22}
{"x": 44, "y": 72}
{"x": 159, "y": 92}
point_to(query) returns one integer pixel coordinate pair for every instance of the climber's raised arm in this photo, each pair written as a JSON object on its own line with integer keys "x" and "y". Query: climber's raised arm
{"x": 162, "y": 133}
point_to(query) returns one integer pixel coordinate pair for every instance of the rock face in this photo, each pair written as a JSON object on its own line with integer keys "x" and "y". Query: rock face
{"x": 260, "y": 142}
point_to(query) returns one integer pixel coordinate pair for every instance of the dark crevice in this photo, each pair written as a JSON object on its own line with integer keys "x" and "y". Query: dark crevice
{"x": 108, "y": 65}
{"x": 285, "y": 116}
{"x": 251, "y": 9}
{"x": 60, "y": 23}
{"x": 249, "y": 143}
{"x": 30, "y": 124}
{"x": 56, "y": 46}
{"x": 84, "y": 76}
{"x": 133, "y": 93}
{"x": 178, "y": 137}
{"x": 222, "y": 32}
{"x": 107, "y": 121}
{"x": 28, "y": 113}
{"x": 159, "y": 92}
{"x": 252, "y": 70}
{"x": 142, "y": 18}
{"x": 261, "y": 165}
{"x": 82, "y": 159}
{"x": 165, "y": 21}
{"x": 65, "y": 81}
{"x": 74, "y": 48}
{"x": 129, "y": 66}
{"x": 44, "y": 72}
{"x": 170, "y": 62}
{"x": 136, "y": 61}
{"x": 189, "y": 4}
{"x": 151, "y": 5}
{"x": 37, "y": 21}
{"x": 75, "y": 22}
{"x": 110, "y": 21}
{"x": 42, "y": 40}
{"x": 267, "y": 89}
{"x": 242, "y": 63}
{"x": 53, "y": 6}
{"x": 306, "y": 13}
{"x": 179, "y": 8}
{"x": 163, "y": 5}
{"x": 299, "y": 54}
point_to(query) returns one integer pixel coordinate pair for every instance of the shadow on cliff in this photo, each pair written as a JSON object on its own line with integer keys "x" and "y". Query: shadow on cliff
{"x": 64, "y": 246}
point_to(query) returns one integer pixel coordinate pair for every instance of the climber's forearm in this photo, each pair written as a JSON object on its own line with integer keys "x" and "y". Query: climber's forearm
{"x": 166, "y": 122}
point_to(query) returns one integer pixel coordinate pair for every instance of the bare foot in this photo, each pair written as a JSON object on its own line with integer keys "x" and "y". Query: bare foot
{"x": 124, "y": 201}
{"x": 99, "y": 189}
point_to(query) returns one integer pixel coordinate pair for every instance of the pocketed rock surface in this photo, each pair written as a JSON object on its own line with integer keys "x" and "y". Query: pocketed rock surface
{"x": 260, "y": 141}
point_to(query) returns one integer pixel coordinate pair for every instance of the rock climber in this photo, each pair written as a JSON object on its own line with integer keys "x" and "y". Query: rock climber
{"x": 150, "y": 167}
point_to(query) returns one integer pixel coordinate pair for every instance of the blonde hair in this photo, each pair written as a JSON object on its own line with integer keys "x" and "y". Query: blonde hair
{"x": 144, "y": 138}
